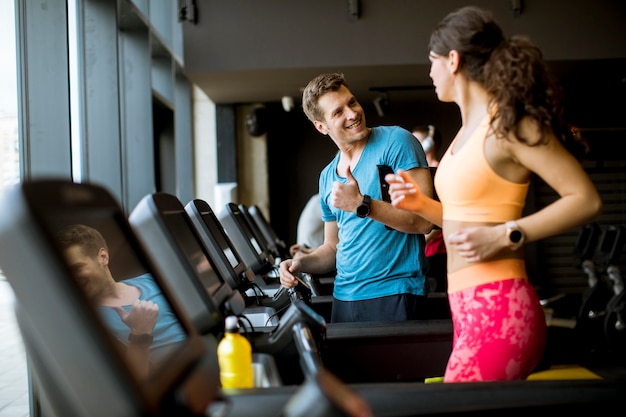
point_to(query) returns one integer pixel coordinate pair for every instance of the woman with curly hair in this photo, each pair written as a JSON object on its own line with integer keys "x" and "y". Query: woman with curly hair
{"x": 512, "y": 129}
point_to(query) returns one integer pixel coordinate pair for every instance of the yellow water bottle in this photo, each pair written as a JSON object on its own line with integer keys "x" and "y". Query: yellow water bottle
{"x": 234, "y": 354}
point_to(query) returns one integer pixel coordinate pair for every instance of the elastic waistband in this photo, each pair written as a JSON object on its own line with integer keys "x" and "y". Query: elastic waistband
{"x": 483, "y": 273}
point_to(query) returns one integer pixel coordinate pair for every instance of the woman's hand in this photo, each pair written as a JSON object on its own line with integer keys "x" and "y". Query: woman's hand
{"x": 404, "y": 192}
{"x": 477, "y": 244}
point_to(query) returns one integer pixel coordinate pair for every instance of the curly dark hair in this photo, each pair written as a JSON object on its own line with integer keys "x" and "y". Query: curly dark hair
{"x": 511, "y": 70}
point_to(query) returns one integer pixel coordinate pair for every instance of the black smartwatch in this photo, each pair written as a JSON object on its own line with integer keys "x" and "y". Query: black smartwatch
{"x": 363, "y": 210}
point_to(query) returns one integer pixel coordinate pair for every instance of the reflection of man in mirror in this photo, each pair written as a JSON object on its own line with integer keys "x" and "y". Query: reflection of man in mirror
{"x": 134, "y": 309}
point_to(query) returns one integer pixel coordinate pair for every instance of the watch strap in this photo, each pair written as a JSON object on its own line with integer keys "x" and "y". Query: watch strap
{"x": 363, "y": 210}
{"x": 144, "y": 339}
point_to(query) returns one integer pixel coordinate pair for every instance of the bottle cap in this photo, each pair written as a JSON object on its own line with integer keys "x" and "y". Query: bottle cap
{"x": 232, "y": 323}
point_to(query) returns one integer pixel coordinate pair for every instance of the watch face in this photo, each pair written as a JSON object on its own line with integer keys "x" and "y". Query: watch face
{"x": 515, "y": 236}
{"x": 363, "y": 210}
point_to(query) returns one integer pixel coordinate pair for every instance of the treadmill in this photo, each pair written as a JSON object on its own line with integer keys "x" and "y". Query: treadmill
{"x": 79, "y": 367}
{"x": 229, "y": 260}
{"x": 167, "y": 231}
{"x": 68, "y": 348}
{"x": 321, "y": 284}
{"x": 276, "y": 244}
{"x": 251, "y": 247}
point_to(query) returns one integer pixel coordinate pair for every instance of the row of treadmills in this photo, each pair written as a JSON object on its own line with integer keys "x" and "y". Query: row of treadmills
{"x": 212, "y": 264}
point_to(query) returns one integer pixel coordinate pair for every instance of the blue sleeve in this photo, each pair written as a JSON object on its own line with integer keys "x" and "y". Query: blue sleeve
{"x": 325, "y": 185}
{"x": 402, "y": 150}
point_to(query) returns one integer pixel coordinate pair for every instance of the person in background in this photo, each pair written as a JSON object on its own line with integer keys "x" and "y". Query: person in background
{"x": 512, "y": 129}
{"x": 376, "y": 249}
{"x": 435, "y": 249}
{"x": 134, "y": 309}
{"x": 310, "y": 233}
{"x": 430, "y": 138}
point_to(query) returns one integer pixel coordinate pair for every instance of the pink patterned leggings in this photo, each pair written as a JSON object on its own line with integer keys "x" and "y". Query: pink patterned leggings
{"x": 499, "y": 332}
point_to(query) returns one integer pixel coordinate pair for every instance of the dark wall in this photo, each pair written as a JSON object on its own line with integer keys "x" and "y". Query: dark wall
{"x": 297, "y": 153}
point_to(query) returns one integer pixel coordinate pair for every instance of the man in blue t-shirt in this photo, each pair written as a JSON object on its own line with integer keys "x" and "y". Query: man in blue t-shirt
{"x": 135, "y": 309}
{"x": 376, "y": 249}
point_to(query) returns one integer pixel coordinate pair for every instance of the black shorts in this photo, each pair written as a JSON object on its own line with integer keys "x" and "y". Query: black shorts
{"x": 400, "y": 307}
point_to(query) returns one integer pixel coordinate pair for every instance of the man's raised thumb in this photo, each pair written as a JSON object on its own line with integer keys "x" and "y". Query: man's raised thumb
{"x": 349, "y": 175}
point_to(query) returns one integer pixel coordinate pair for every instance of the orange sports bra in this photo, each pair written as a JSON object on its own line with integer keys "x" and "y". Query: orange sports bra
{"x": 470, "y": 190}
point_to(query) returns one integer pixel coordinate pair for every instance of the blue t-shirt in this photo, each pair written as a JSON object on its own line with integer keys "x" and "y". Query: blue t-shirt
{"x": 167, "y": 329}
{"x": 373, "y": 261}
